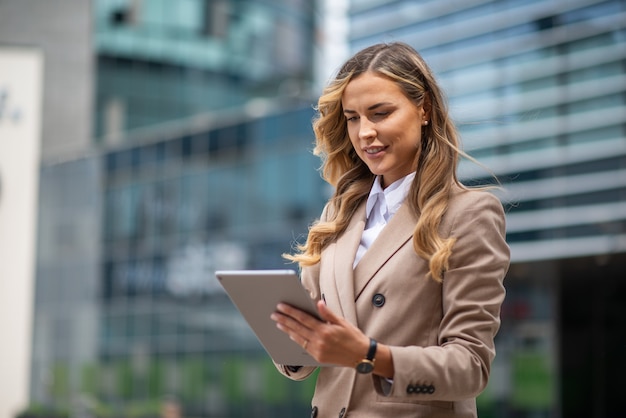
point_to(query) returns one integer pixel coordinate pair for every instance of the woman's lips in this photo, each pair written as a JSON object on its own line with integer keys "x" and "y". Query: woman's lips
{"x": 374, "y": 150}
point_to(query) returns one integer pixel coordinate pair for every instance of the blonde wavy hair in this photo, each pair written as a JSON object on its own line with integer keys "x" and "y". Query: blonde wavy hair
{"x": 435, "y": 163}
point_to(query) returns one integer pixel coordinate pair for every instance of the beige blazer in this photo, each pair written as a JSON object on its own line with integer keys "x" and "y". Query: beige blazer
{"x": 441, "y": 335}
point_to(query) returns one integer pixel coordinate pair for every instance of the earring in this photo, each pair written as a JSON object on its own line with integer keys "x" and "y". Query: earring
{"x": 425, "y": 122}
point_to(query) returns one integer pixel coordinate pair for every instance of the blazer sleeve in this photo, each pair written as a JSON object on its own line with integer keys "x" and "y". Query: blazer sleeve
{"x": 472, "y": 292}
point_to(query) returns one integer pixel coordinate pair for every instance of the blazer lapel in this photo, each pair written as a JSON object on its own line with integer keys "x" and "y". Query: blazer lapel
{"x": 347, "y": 246}
{"x": 394, "y": 235}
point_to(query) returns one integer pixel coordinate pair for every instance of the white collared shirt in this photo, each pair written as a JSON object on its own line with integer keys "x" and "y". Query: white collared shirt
{"x": 381, "y": 205}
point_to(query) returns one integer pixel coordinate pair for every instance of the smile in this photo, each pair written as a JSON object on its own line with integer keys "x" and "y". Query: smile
{"x": 374, "y": 150}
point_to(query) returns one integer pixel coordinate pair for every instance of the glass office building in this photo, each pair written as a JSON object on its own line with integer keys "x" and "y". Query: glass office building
{"x": 200, "y": 160}
{"x": 539, "y": 91}
{"x": 160, "y": 61}
{"x": 229, "y": 197}
{"x": 136, "y": 318}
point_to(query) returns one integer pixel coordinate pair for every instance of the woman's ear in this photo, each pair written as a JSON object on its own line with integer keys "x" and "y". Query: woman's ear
{"x": 426, "y": 106}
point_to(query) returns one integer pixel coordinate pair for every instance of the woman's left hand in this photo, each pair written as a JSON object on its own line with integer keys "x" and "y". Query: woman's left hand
{"x": 331, "y": 341}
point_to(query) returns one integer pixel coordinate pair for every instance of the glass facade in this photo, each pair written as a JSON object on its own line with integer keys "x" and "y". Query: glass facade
{"x": 160, "y": 61}
{"x": 538, "y": 89}
{"x": 201, "y": 160}
{"x": 151, "y": 324}
{"x": 232, "y": 197}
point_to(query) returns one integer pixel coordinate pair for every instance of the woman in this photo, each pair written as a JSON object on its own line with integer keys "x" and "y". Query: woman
{"x": 406, "y": 263}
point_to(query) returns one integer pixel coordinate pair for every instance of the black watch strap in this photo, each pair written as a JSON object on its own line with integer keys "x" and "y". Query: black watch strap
{"x": 367, "y": 364}
{"x": 371, "y": 353}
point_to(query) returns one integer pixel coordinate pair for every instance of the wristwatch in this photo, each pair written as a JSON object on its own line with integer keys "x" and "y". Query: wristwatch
{"x": 367, "y": 364}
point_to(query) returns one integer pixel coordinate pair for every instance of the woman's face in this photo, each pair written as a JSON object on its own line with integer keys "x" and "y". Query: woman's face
{"x": 384, "y": 126}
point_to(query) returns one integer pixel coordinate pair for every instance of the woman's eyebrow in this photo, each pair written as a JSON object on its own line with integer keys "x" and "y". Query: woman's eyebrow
{"x": 372, "y": 107}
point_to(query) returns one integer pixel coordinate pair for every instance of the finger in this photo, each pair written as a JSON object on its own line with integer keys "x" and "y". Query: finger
{"x": 295, "y": 337}
{"x": 293, "y": 329}
{"x": 298, "y": 339}
{"x": 297, "y": 331}
{"x": 286, "y": 322}
{"x": 326, "y": 314}
{"x": 298, "y": 315}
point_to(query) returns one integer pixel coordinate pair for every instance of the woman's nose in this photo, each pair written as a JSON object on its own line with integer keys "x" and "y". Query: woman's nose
{"x": 366, "y": 129}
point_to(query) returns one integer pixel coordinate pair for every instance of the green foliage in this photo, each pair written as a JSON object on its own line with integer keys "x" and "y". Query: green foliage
{"x": 42, "y": 411}
{"x": 156, "y": 379}
{"x": 533, "y": 383}
{"x": 124, "y": 380}
{"x": 60, "y": 381}
{"x": 114, "y": 389}
{"x": 146, "y": 409}
{"x": 232, "y": 378}
{"x": 100, "y": 410}
{"x": 276, "y": 387}
{"x": 89, "y": 379}
{"x": 194, "y": 378}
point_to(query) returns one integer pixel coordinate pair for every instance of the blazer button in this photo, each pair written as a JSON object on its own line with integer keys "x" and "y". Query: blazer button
{"x": 314, "y": 412}
{"x": 378, "y": 300}
{"x": 342, "y": 412}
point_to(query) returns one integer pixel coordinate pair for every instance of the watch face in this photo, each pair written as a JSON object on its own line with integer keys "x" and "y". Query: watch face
{"x": 365, "y": 366}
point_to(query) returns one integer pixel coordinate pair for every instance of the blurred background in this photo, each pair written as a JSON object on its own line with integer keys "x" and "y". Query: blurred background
{"x": 146, "y": 143}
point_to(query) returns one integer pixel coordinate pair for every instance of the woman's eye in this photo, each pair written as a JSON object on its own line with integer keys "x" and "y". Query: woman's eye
{"x": 351, "y": 118}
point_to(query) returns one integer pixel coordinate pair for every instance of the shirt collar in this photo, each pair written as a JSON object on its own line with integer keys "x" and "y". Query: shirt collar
{"x": 392, "y": 196}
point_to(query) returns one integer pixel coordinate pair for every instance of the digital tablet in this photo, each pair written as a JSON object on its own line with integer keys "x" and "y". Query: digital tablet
{"x": 256, "y": 293}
